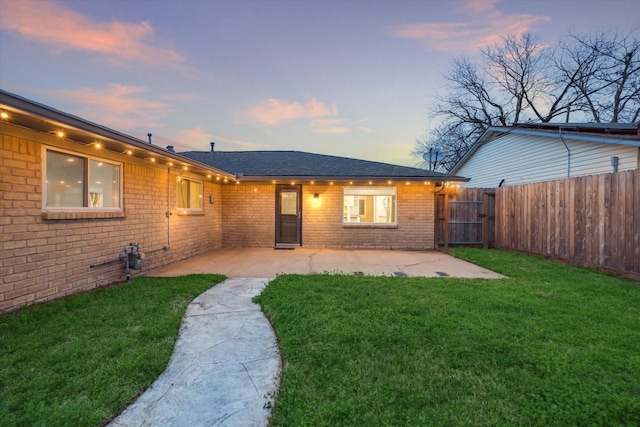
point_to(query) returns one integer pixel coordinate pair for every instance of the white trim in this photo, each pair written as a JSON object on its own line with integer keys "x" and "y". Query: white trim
{"x": 389, "y": 191}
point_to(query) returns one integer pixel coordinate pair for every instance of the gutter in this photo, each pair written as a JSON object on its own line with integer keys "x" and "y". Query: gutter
{"x": 34, "y": 111}
{"x": 574, "y": 137}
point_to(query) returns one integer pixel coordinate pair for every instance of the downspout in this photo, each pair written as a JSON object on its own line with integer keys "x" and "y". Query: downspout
{"x": 442, "y": 186}
{"x": 568, "y": 152}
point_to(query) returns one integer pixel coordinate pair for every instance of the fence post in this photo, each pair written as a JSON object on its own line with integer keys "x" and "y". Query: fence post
{"x": 445, "y": 224}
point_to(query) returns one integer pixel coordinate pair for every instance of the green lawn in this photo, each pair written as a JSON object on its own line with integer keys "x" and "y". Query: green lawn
{"x": 552, "y": 345}
{"x": 79, "y": 360}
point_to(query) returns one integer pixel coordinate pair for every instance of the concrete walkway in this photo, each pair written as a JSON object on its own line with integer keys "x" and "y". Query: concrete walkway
{"x": 224, "y": 369}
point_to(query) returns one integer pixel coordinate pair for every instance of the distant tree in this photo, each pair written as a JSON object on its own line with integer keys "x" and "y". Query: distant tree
{"x": 614, "y": 93}
{"x": 593, "y": 77}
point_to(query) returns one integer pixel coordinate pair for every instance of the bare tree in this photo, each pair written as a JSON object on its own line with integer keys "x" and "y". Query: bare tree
{"x": 595, "y": 78}
{"x": 452, "y": 145}
{"x": 614, "y": 92}
{"x": 515, "y": 70}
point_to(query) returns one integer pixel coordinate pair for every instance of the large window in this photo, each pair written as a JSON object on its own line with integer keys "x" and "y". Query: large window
{"x": 189, "y": 194}
{"x": 77, "y": 182}
{"x": 369, "y": 205}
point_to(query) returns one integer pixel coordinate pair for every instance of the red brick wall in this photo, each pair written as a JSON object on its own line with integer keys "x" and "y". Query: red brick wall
{"x": 41, "y": 259}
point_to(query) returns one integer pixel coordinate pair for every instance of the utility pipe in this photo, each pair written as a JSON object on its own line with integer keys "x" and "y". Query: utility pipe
{"x": 568, "y": 153}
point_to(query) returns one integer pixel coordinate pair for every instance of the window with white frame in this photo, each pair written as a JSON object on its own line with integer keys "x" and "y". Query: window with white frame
{"x": 369, "y": 205}
{"x": 79, "y": 182}
{"x": 189, "y": 194}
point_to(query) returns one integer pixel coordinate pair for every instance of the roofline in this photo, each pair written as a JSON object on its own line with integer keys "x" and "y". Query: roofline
{"x": 549, "y": 134}
{"x": 621, "y": 140}
{"x": 16, "y": 103}
{"x": 300, "y": 152}
{"x": 343, "y": 178}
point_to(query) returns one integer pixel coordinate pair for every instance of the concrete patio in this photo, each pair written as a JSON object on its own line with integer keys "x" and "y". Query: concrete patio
{"x": 225, "y": 368}
{"x": 269, "y": 262}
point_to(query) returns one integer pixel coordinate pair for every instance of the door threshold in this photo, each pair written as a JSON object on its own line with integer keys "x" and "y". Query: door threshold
{"x": 289, "y": 246}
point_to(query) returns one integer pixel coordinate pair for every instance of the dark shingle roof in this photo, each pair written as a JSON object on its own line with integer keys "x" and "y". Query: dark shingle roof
{"x": 300, "y": 165}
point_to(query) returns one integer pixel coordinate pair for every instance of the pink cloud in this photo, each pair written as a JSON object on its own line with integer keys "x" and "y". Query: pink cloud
{"x": 56, "y": 25}
{"x": 117, "y": 106}
{"x": 275, "y": 111}
{"x": 478, "y": 31}
{"x": 485, "y": 7}
{"x": 195, "y": 137}
{"x": 237, "y": 144}
{"x": 329, "y": 126}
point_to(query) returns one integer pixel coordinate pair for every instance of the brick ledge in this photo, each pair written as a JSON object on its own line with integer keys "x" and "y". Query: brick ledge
{"x": 357, "y": 225}
{"x": 82, "y": 215}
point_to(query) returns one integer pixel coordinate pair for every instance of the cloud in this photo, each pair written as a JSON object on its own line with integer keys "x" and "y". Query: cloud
{"x": 329, "y": 126}
{"x": 275, "y": 111}
{"x": 117, "y": 105}
{"x": 484, "y": 26}
{"x": 195, "y": 137}
{"x": 238, "y": 144}
{"x": 58, "y": 26}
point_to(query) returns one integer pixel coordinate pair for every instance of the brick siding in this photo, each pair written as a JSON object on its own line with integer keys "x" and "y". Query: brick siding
{"x": 48, "y": 255}
{"x": 249, "y": 219}
{"x": 322, "y": 221}
{"x": 248, "y": 215}
{"x": 41, "y": 259}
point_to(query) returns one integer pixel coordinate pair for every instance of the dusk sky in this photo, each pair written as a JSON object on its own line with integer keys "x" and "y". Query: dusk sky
{"x": 346, "y": 78}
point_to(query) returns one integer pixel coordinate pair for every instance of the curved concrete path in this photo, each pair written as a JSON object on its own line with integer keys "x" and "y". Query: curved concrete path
{"x": 225, "y": 367}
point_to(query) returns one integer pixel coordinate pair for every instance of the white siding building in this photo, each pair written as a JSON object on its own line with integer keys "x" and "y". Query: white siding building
{"x": 520, "y": 155}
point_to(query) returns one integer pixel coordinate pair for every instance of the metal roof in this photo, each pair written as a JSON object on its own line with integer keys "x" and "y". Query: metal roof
{"x": 618, "y": 129}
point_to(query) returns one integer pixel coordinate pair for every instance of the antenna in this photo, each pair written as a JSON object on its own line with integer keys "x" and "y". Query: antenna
{"x": 432, "y": 158}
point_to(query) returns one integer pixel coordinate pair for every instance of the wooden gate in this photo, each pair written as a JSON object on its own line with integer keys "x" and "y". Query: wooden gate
{"x": 465, "y": 216}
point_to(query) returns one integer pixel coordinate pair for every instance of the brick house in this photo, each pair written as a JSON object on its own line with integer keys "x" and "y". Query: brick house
{"x": 73, "y": 194}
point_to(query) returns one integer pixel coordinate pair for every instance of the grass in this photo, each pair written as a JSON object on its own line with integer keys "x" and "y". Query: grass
{"x": 79, "y": 360}
{"x": 552, "y": 345}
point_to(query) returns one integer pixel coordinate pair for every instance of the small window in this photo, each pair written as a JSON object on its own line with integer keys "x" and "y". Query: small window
{"x": 189, "y": 194}
{"x": 369, "y": 205}
{"x": 76, "y": 182}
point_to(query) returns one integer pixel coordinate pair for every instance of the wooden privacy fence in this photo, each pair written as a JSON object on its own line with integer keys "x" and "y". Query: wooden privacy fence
{"x": 465, "y": 216}
{"x": 593, "y": 219}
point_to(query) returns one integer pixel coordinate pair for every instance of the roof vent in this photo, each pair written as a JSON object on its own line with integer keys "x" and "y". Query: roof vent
{"x": 213, "y": 146}
{"x": 170, "y": 148}
{"x": 149, "y": 135}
